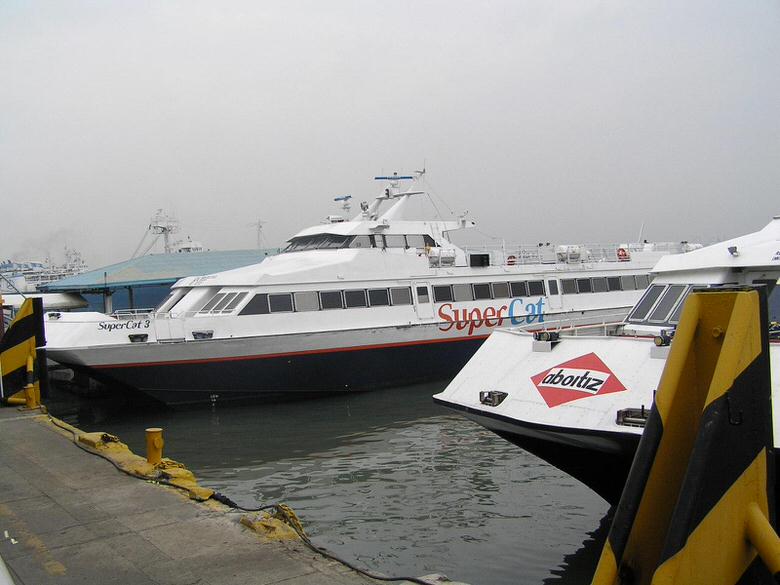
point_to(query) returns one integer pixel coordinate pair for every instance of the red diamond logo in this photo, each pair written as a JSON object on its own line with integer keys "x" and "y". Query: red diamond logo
{"x": 581, "y": 377}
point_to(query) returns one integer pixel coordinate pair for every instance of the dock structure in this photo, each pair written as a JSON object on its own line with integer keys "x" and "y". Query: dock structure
{"x": 69, "y": 517}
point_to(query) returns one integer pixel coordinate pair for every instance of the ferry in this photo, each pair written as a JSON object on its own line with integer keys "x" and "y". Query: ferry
{"x": 356, "y": 304}
{"x": 581, "y": 403}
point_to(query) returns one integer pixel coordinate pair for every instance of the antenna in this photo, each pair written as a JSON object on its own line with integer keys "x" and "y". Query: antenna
{"x": 346, "y": 206}
{"x": 164, "y": 225}
{"x": 259, "y": 225}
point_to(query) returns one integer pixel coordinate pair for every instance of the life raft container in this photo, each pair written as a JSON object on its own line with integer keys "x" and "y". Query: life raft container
{"x": 622, "y": 255}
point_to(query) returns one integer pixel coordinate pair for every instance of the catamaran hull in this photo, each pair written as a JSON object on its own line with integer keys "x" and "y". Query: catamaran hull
{"x": 599, "y": 460}
{"x": 178, "y": 380}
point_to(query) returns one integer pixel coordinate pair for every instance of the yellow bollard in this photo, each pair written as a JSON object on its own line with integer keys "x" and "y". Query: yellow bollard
{"x": 30, "y": 396}
{"x": 154, "y": 445}
{"x": 763, "y": 537}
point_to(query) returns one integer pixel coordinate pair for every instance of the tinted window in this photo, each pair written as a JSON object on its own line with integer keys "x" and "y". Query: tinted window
{"x": 415, "y": 241}
{"x": 583, "y": 285}
{"x": 394, "y": 241}
{"x": 422, "y": 294}
{"x": 462, "y": 292}
{"x": 500, "y": 290}
{"x": 519, "y": 289}
{"x": 401, "y": 295}
{"x": 599, "y": 284}
{"x": 232, "y": 305}
{"x": 648, "y": 300}
{"x": 482, "y": 291}
{"x": 223, "y": 302}
{"x": 317, "y": 242}
{"x": 442, "y": 293}
{"x": 675, "y": 318}
{"x": 628, "y": 282}
{"x": 641, "y": 281}
{"x": 536, "y": 288}
{"x": 552, "y": 286}
{"x": 280, "y": 303}
{"x": 211, "y": 302}
{"x": 569, "y": 286}
{"x": 613, "y": 283}
{"x": 360, "y": 242}
{"x": 258, "y": 305}
{"x": 331, "y": 299}
{"x": 378, "y": 297}
{"x": 307, "y": 301}
{"x": 665, "y": 305}
{"x": 355, "y": 298}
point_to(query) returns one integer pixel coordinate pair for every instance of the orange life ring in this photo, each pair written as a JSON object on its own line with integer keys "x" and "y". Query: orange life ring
{"x": 511, "y": 260}
{"x": 622, "y": 254}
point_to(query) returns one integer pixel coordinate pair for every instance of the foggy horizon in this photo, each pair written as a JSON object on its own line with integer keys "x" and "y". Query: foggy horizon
{"x": 568, "y": 122}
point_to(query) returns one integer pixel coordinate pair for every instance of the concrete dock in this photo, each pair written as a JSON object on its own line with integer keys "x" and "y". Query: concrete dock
{"x": 70, "y": 517}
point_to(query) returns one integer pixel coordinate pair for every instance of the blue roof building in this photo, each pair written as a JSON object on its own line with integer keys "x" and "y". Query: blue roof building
{"x": 145, "y": 280}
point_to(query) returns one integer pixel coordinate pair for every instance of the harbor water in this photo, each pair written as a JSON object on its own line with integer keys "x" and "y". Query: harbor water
{"x": 385, "y": 479}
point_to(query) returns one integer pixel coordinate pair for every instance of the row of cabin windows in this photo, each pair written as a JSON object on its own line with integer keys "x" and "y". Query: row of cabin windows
{"x": 535, "y": 288}
{"x": 264, "y": 303}
{"x": 570, "y": 286}
{"x": 334, "y": 241}
{"x": 379, "y": 297}
{"x": 489, "y": 290}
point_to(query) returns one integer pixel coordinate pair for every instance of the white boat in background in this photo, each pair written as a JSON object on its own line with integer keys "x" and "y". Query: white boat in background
{"x": 351, "y": 305}
{"x": 20, "y": 280}
{"x": 581, "y": 402}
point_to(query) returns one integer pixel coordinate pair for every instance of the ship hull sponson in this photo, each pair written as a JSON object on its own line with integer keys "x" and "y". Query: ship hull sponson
{"x": 600, "y": 460}
{"x": 184, "y": 372}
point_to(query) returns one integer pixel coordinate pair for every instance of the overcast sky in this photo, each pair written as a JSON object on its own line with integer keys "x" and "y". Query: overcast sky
{"x": 546, "y": 120}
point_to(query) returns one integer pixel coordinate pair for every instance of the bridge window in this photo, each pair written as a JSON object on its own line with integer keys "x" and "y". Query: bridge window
{"x": 667, "y": 302}
{"x": 641, "y": 281}
{"x": 211, "y": 302}
{"x": 415, "y": 241}
{"x": 646, "y": 303}
{"x": 360, "y": 242}
{"x": 395, "y": 241}
{"x": 234, "y": 303}
{"x": 613, "y": 283}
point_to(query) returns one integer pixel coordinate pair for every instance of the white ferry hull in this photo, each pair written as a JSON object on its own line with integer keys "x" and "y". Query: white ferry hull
{"x": 581, "y": 434}
{"x": 178, "y": 371}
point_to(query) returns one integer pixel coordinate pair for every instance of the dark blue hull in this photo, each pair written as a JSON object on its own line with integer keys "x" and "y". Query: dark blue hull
{"x": 352, "y": 369}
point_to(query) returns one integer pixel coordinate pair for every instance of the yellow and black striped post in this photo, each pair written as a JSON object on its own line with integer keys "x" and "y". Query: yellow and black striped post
{"x": 22, "y": 358}
{"x": 699, "y": 503}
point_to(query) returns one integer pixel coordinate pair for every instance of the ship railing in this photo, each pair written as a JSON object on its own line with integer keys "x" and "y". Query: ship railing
{"x": 602, "y": 324}
{"x": 551, "y": 253}
{"x": 132, "y": 313}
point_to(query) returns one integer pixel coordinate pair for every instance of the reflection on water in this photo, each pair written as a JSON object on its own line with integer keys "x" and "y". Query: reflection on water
{"x": 385, "y": 478}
